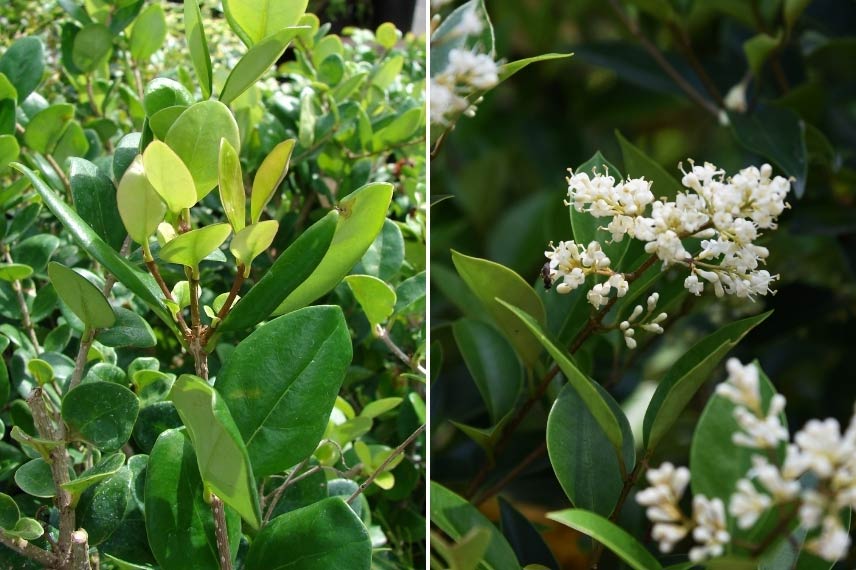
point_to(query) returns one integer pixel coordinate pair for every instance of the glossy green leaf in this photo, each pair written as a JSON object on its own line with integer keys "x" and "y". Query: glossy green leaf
{"x": 269, "y": 176}
{"x": 688, "y": 374}
{"x": 291, "y": 268}
{"x": 256, "y": 61}
{"x": 9, "y": 512}
{"x": 402, "y": 129}
{"x": 361, "y": 217}
{"x": 9, "y": 150}
{"x": 14, "y": 271}
{"x": 169, "y": 176}
{"x": 324, "y": 535}
{"x": 776, "y": 134}
{"x": 255, "y": 20}
{"x": 92, "y": 46}
{"x": 306, "y": 124}
{"x": 73, "y": 142}
{"x": 192, "y": 247}
{"x": 195, "y": 137}
{"x": 194, "y": 30}
{"x": 491, "y": 281}
{"x": 101, "y": 509}
{"x": 95, "y": 201}
{"x": 23, "y": 63}
{"x": 127, "y": 149}
{"x": 585, "y": 388}
{"x": 576, "y": 442}
{"x": 456, "y": 517}
{"x": 162, "y": 93}
{"x": 610, "y": 535}
{"x": 492, "y": 363}
{"x": 130, "y": 329}
{"x": 140, "y": 206}
{"x": 232, "y": 194}
{"x": 375, "y": 297}
{"x": 252, "y": 241}
{"x": 380, "y": 407}
{"x": 506, "y": 70}
{"x": 101, "y": 413}
{"x": 81, "y": 296}
{"x": 141, "y": 284}
{"x": 46, "y": 127}
{"x": 281, "y": 384}
{"x": 40, "y": 370}
{"x": 220, "y": 452}
{"x": 178, "y": 520}
{"x": 148, "y": 33}
{"x": 98, "y": 472}
{"x": 34, "y": 478}
{"x": 638, "y": 164}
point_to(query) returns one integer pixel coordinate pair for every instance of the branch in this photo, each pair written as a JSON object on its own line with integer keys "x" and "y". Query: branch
{"x": 383, "y": 334}
{"x": 221, "y": 532}
{"x": 281, "y": 489}
{"x": 395, "y": 453}
{"x": 80, "y": 550}
{"x": 31, "y": 551}
{"x": 22, "y": 304}
{"x": 61, "y": 174}
{"x": 664, "y": 64}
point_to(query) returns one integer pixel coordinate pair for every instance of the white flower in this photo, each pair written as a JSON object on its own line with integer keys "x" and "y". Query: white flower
{"x": 758, "y": 431}
{"x": 710, "y": 531}
{"x": 741, "y": 386}
{"x": 833, "y": 542}
{"x": 619, "y": 283}
{"x": 598, "y": 295}
{"x": 668, "y": 484}
{"x": 747, "y": 504}
{"x": 735, "y": 99}
{"x": 693, "y": 285}
{"x": 476, "y": 69}
{"x": 821, "y": 445}
{"x": 782, "y": 488}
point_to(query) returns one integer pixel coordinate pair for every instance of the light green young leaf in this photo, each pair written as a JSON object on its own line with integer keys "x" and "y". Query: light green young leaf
{"x": 140, "y": 205}
{"x": 9, "y": 150}
{"x": 306, "y": 125}
{"x": 232, "y": 194}
{"x": 361, "y": 217}
{"x": 98, "y": 472}
{"x": 387, "y": 35}
{"x": 375, "y": 297}
{"x": 255, "y": 20}
{"x": 14, "y": 271}
{"x": 220, "y": 452}
{"x": 610, "y": 535}
{"x": 269, "y": 176}
{"x": 380, "y": 407}
{"x": 169, "y": 176}
{"x": 198, "y": 46}
{"x": 192, "y": 247}
{"x": 148, "y": 33}
{"x": 195, "y": 137}
{"x": 40, "y": 370}
{"x": 256, "y": 62}
{"x": 506, "y": 70}
{"x": 82, "y": 297}
{"x": 252, "y": 241}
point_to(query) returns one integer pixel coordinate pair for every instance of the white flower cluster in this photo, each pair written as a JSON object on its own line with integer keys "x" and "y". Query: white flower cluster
{"x": 819, "y": 450}
{"x": 466, "y": 73}
{"x": 726, "y": 214}
{"x": 671, "y": 525}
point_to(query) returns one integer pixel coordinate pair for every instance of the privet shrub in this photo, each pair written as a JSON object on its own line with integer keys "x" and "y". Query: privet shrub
{"x": 213, "y": 289}
{"x": 576, "y": 420}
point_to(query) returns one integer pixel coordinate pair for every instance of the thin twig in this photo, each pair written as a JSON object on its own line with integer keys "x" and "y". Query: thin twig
{"x": 91, "y": 95}
{"x": 395, "y": 453}
{"x": 26, "y": 320}
{"x": 664, "y": 64}
{"x": 685, "y": 44}
{"x": 221, "y": 532}
{"x": 31, "y": 551}
{"x": 511, "y": 475}
{"x": 281, "y": 489}
{"x": 61, "y": 174}
{"x": 155, "y": 272}
{"x": 383, "y": 334}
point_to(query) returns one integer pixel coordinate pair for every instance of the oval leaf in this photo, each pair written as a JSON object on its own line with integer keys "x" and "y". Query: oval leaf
{"x": 281, "y": 384}
{"x": 81, "y": 296}
{"x": 148, "y": 33}
{"x": 220, "y": 452}
{"x": 198, "y": 45}
{"x": 254, "y": 20}
{"x": 192, "y": 247}
{"x": 169, "y": 176}
{"x": 361, "y": 217}
{"x": 24, "y": 65}
{"x": 324, "y": 535}
{"x": 375, "y": 297}
{"x": 140, "y": 205}
{"x": 95, "y": 200}
{"x": 257, "y": 61}
{"x": 232, "y": 194}
{"x": 252, "y": 241}
{"x": 101, "y": 413}
{"x": 195, "y": 137}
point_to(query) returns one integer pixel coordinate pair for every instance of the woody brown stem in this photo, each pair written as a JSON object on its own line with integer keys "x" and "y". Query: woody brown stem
{"x": 221, "y": 532}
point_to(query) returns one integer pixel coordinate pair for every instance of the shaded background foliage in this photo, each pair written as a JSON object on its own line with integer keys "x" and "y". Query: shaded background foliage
{"x": 504, "y": 173}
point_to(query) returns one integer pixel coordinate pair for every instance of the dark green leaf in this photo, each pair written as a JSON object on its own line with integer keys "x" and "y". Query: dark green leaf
{"x": 101, "y": 413}
{"x": 256, "y": 61}
{"x": 24, "y": 64}
{"x": 81, "y": 296}
{"x": 95, "y": 201}
{"x": 130, "y": 329}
